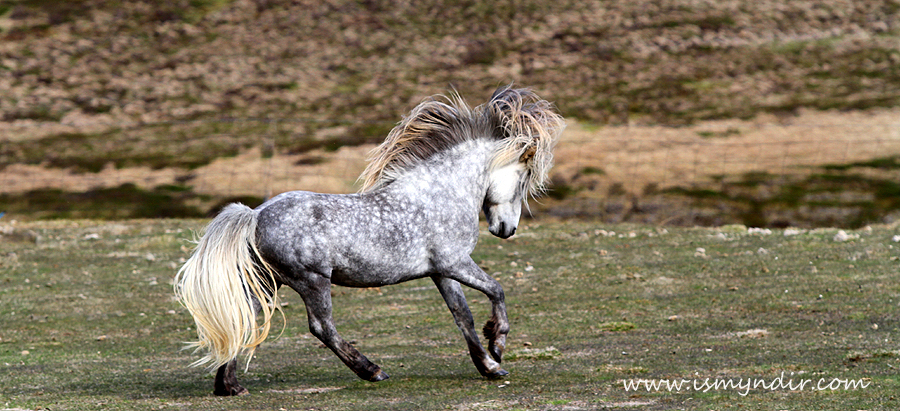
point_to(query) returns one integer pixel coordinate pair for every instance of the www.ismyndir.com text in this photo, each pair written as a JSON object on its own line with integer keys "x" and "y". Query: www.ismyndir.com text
{"x": 743, "y": 386}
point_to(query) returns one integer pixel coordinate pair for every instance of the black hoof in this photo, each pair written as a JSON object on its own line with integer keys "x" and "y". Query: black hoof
{"x": 231, "y": 391}
{"x": 379, "y": 376}
{"x": 226, "y": 384}
{"x": 496, "y": 374}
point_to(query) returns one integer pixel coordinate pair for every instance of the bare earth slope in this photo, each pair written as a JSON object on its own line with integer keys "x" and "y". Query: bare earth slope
{"x": 96, "y": 94}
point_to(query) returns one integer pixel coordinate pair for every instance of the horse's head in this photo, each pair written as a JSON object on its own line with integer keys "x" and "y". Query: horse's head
{"x": 527, "y": 129}
{"x": 507, "y": 187}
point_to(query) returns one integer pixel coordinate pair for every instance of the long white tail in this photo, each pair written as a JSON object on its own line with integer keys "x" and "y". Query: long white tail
{"x": 217, "y": 284}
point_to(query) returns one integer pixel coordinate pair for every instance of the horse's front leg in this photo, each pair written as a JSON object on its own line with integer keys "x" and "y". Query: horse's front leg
{"x": 456, "y": 302}
{"x": 497, "y": 327}
{"x": 316, "y": 294}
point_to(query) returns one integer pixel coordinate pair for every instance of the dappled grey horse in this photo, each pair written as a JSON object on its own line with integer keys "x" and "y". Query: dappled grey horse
{"x": 416, "y": 216}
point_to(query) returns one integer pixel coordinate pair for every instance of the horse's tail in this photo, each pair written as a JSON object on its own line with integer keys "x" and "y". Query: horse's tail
{"x": 225, "y": 284}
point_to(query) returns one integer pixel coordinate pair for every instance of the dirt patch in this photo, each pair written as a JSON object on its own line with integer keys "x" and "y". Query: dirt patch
{"x": 638, "y": 157}
{"x": 314, "y": 390}
{"x": 588, "y": 157}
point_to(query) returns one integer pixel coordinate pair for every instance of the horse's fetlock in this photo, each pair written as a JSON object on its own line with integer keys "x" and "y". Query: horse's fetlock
{"x": 494, "y": 329}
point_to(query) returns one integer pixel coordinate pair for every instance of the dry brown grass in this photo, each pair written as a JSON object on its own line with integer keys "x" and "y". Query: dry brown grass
{"x": 90, "y": 63}
{"x": 697, "y": 155}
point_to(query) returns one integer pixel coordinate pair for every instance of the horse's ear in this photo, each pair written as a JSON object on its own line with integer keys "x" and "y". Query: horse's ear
{"x": 528, "y": 154}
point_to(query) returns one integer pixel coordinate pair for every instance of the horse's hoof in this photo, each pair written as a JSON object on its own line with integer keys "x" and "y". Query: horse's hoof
{"x": 496, "y": 374}
{"x": 232, "y": 392}
{"x": 379, "y": 376}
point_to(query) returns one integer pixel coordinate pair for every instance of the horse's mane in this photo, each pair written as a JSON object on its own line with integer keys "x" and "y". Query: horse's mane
{"x": 526, "y": 127}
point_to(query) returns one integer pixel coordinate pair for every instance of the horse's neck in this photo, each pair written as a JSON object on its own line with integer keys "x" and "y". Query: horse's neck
{"x": 458, "y": 176}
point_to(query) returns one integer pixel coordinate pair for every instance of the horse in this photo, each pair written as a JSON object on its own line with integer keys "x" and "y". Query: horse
{"x": 416, "y": 216}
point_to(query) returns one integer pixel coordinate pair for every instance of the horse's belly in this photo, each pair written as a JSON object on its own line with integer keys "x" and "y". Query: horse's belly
{"x": 363, "y": 263}
{"x": 375, "y": 276}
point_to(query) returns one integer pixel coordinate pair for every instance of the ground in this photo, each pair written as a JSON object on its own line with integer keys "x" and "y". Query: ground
{"x": 90, "y": 322}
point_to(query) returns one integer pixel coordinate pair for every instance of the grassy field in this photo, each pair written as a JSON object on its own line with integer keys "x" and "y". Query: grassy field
{"x": 89, "y": 322}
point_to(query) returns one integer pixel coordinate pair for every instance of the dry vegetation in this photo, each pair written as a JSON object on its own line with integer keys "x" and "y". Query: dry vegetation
{"x": 116, "y": 63}
{"x": 102, "y": 93}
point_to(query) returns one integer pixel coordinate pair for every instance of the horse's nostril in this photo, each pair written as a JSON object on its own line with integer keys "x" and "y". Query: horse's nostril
{"x": 504, "y": 230}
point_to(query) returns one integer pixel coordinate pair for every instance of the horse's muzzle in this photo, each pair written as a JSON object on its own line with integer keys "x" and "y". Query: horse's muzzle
{"x": 503, "y": 230}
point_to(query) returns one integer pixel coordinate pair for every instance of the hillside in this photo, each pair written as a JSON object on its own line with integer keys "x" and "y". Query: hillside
{"x": 122, "y": 62}
{"x": 89, "y": 84}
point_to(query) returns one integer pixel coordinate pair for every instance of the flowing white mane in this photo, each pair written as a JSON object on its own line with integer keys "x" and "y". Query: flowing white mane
{"x": 527, "y": 127}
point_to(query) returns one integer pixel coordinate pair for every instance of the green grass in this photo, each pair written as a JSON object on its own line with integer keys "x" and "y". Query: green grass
{"x": 89, "y": 322}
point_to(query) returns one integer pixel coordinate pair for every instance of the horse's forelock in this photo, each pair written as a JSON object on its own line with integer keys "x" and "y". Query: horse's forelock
{"x": 529, "y": 129}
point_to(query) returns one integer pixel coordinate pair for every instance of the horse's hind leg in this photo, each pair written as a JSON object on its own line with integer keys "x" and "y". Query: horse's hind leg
{"x": 456, "y": 302}
{"x": 226, "y": 381}
{"x": 316, "y": 294}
